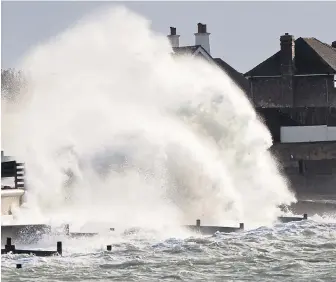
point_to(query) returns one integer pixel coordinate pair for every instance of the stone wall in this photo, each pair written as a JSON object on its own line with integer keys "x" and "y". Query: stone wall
{"x": 266, "y": 92}
{"x": 314, "y": 91}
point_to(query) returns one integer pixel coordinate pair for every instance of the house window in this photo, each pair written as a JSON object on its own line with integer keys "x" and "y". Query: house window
{"x": 335, "y": 81}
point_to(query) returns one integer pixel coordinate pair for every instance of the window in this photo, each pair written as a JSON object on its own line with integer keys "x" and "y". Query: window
{"x": 335, "y": 81}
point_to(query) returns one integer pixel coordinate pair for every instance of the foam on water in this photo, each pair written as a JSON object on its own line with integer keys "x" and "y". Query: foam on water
{"x": 299, "y": 251}
{"x": 114, "y": 129}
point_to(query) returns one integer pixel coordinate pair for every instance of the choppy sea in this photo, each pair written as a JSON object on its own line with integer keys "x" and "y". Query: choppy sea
{"x": 297, "y": 251}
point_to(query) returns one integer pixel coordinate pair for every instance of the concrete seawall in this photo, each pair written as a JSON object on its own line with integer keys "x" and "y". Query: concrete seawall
{"x": 305, "y": 151}
{"x": 313, "y": 184}
{"x": 10, "y": 198}
{"x": 310, "y": 167}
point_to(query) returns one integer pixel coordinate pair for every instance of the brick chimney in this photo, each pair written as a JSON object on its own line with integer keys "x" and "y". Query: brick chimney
{"x": 173, "y": 37}
{"x": 333, "y": 44}
{"x": 287, "y": 54}
{"x": 287, "y": 68}
{"x": 202, "y": 37}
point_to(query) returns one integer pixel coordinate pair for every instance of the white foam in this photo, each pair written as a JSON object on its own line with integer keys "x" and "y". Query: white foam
{"x": 151, "y": 139}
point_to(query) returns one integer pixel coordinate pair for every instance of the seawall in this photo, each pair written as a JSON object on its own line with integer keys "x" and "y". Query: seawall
{"x": 310, "y": 167}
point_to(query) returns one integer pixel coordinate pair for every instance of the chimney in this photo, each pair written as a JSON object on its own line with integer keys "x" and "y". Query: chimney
{"x": 333, "y": 44}
{"x": 287, "y": 54}
{"x": 173, "y": 38}
{"x": 202, "y": 37}
{"x": 287, "y": 68}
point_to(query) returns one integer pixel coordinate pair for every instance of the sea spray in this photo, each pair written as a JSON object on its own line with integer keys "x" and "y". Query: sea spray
{"x": 115, "y": 128}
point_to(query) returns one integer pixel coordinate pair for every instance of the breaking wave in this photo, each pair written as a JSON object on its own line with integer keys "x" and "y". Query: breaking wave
{"x": 114, "y": 128}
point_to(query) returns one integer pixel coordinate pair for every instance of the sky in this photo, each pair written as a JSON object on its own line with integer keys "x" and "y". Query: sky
{"x": 242, "y": 33}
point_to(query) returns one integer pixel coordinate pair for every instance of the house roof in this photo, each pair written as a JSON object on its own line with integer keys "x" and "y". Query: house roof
{"x": 236, "y": 76}
{"x": 311, "y": 57}
{"x": 185, "y": 50}
{"x": 193, "y": 50}
{"x": 325, "y": 51}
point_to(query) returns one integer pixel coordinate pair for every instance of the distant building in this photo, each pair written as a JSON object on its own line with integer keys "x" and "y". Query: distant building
{"x": 202, "y": 49}
{"x": 294, "y": 91}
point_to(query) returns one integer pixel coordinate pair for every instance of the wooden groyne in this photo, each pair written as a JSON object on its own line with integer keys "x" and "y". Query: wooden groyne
{"x": 80, "y": 234}
{"x": 34, "y": 232}
{"x": 208, "y": 230}
{"x": 286, "y": 219}
{"x": 38, "y": 229}
{"x": 10, "y": 248}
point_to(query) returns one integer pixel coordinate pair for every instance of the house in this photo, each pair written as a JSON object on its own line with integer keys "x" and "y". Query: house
{"x": 202, "y": 49}
{"x": 294, "y": 91}
{"x": 12, "y": 184}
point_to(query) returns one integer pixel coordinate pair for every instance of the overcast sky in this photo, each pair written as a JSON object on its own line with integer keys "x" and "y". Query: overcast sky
{"x": 242, "y": 33}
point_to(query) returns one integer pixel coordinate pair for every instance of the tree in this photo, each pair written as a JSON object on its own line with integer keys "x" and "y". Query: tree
{"x": 12, "y": 83}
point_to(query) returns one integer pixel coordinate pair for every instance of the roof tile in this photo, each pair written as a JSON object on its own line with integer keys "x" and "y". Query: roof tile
{"x": 311, "y": 57}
